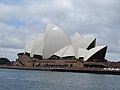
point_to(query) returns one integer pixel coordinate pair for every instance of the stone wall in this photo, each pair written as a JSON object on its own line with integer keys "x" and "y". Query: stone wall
{"x": 25, "y": 60}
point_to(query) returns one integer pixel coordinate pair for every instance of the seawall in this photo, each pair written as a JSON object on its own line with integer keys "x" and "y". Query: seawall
{"x": 82, "y": 70}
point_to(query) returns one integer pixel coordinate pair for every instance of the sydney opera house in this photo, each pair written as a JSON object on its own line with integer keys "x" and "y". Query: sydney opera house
{"x": 55, "y": 49}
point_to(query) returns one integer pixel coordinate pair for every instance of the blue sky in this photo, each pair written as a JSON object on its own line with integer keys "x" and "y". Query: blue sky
{"x": 14, "y": 22}
{"x": 21, "y": 20}
{"x": 12, "y": 1}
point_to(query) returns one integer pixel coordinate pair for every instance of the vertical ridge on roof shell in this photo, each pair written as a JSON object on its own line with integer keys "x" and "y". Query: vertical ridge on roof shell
{"x": 69, "y": 52}
{"x": 29, "y": 46}
{"x": 76, "y": 36}
{"x": 55, "y": 39}
{"x": 38, "y": 45}
{"x": 85, "y": 42}
{"x": 76, "y": 42}
{"x": 92, "y": 51}
{"x": 61, "y": 51}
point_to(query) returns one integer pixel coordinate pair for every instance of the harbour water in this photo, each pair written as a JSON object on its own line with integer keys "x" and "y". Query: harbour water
{"x": 45, "y": 80}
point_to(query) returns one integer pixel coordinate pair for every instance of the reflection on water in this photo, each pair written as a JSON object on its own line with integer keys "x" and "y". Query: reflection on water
{"x": 46, "y": 80}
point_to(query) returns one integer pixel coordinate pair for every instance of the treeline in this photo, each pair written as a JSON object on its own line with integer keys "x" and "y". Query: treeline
{"x": 4, "y": 61}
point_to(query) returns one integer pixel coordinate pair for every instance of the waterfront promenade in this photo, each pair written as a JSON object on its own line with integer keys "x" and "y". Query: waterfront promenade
{"x": 80, "y": 70}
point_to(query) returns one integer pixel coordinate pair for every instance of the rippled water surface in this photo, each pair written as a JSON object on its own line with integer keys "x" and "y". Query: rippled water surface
{"x": 46, "y": 80}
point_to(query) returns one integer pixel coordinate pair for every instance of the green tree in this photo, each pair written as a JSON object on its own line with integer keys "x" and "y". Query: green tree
{"x": 4, "y": 61}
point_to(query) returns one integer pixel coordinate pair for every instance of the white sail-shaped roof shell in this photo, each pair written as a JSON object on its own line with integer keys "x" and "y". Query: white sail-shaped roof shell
{"x": 76, "y": 42}
{"x": 76, "y": 37}
{"x": 61, "y": 51}
{"x": 93, "y": 51}
{"x": 69, "y": 52}
{"x": 29, "y": 46}
{"x": 81, "y": 52}
{"x": 55, "y": 39}
{"x": 38, "y": 45}
{"x": 85, "y": 42}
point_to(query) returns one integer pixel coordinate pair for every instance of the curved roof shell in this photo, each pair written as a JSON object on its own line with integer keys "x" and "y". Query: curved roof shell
{"x": 55, "y": 39}
{"x": 92, "y": 51}
{"x": 29, "y": 46}
{"x": 61, "y": 51}
{"x": 69, "y": 51}
{"x": 38, "y": 45}
{"x": 81, "y": 52}
{"x": 76, "y": 42}
{"x": 76, "y": 37}
{"x": 85, "y": 42}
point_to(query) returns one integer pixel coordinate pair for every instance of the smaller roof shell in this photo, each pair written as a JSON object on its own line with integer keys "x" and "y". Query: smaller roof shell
{"x": 76, "y": 42}
{"x": 29, "y": 46}
{"x": 81, "y": 52}
{"x": 93, "y": 51}
{"x": 61, "y": 51}
{"x": 69, "y": 52}
{"x": 38, "y": 45}
{"x": 85, "y": 42}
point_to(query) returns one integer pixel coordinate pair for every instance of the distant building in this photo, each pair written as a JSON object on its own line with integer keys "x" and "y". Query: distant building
{"x": 54, "y": 48}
